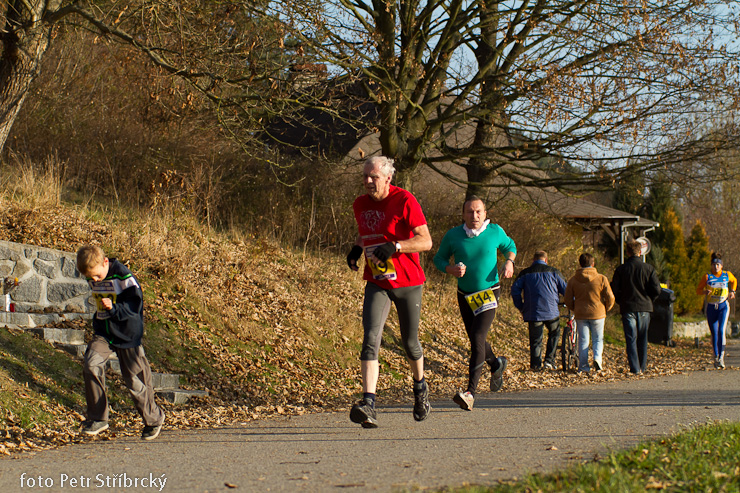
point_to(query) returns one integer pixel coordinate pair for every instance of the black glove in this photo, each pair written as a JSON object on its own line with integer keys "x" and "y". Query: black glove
{"x": 384, "y": 251}
{"x": 353, "y": 256}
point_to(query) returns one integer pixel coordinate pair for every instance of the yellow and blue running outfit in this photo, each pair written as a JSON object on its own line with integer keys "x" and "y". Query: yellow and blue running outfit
{"x": 717, "y": 306}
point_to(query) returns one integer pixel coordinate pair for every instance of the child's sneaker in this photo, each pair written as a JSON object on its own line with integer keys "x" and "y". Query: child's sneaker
{"x": 151, "y": 432}
{"x": 92, "y": 428}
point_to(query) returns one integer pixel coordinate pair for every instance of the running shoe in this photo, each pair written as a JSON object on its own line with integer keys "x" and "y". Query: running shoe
{"x": 421, "y": 403}
{"x": 597, "y": 366}
{"x": 364, "y": 413}
{"x": 497, "y": 376}
{"x": 92, "y": 428}
{"x": 721, "y": 361}
{"x": 548, "y": 366}
{"x": 465, "y": 400}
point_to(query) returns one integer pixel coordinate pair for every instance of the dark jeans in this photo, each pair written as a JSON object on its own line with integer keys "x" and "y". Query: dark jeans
{"x": 536, "y": 331}
{"x": 635, "y": 325}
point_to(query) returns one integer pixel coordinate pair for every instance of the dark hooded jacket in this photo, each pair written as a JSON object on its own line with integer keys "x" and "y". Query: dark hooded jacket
{"x": 122, "y": 326}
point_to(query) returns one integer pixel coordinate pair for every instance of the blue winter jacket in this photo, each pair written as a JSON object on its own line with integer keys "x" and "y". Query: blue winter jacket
{"x": 536, "y": 292}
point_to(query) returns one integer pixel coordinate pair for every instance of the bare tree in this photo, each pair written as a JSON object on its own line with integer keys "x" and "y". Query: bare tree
{"x": 226, "y": 52}
{"x": 541, "y": 93}
{"x": 26, "y": 34}
{"x": 536, "y": 93}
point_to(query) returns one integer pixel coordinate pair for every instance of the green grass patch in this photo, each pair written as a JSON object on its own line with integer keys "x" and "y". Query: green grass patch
{"x": 700, "y": 459}
{"x": 32, "y": 374}
{"x": 613, "y": 331}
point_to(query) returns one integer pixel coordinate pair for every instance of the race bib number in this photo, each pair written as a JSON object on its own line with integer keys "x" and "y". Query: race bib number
{"x": 481, "y": 301}
{"x": 718, "y": 294}
{"x": 100, "y": 290}
{"x": 380, "y": 270}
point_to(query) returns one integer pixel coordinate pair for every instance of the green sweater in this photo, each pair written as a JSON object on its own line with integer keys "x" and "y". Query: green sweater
{"x": 477, "y": 253}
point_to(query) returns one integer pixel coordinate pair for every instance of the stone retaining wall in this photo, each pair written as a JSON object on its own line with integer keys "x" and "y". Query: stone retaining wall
{"x": 51, "y": 288}
{"x": 696, "y": 329}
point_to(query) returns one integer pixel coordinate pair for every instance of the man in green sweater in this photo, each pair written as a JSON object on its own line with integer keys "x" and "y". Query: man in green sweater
{"x": 468, "y": 252}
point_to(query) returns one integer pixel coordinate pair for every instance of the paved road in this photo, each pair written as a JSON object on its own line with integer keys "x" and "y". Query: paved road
{"x": 505, "y": 436}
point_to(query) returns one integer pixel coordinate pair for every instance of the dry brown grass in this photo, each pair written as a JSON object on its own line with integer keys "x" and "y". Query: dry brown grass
{"x": 35, "y": 185}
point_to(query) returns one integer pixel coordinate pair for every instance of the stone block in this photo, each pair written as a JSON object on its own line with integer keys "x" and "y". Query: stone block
{"x": 76, "y": 350}
{"x": 46, "y": 269}
{"x": 10, "y": 251}
{"x": 44, "y": 319}
{"x": 60, "y": 292}
{"x": 179, "y": 396}
{"x": 69, "y": 268}
{"x": 165, "y": 381}
{"x": 15, "y": 319}
{"x": 49, "y": 255}
{"x": 28, "y": 291}
{"x": 75, "y": 307}
{"x": 690, "y": 329}
{"x": 113, "y": 365}
{"x": 22, "y": 267}
{"x": 62, "y": 336}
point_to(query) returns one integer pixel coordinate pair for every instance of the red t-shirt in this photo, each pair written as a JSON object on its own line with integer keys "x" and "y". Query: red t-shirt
{"x": 391, "y": 219}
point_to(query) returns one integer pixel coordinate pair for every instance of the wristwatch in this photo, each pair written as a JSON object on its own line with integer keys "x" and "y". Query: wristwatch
{"x": 398, "y": 247}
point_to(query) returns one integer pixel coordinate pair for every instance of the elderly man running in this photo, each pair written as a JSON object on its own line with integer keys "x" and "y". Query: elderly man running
{"x": 392, "y": 230}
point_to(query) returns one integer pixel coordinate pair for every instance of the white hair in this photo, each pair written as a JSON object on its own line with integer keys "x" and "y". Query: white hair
{"x": 385, "y": 163}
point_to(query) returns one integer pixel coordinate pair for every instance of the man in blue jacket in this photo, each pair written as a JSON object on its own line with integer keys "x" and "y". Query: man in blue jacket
{"x": 536, "y": 293}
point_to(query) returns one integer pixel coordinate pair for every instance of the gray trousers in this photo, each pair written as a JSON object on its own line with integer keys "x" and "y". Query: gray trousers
{"x": 375, "y": 311}
{"x": 136, "y": 374}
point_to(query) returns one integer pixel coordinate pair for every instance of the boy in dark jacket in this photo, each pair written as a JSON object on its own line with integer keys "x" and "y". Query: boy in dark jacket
{"x": 536, "y": 293}
{"x": 119, "y": 326}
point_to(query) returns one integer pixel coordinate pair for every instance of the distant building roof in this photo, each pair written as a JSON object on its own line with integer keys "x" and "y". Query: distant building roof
{"x": 581, "y": 210}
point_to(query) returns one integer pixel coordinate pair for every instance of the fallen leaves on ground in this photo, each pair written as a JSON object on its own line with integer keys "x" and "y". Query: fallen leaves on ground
{"x": 297, "y": 321}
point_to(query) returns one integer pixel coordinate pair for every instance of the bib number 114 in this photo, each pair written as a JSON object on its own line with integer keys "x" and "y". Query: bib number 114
{"x": 481, "y": 301}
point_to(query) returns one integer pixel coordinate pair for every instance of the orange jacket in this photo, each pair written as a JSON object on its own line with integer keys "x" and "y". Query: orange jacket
{"x": 588, "y": 294}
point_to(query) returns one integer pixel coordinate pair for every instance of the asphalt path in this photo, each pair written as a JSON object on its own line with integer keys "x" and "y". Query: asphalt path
{"x": 505, "y": 436}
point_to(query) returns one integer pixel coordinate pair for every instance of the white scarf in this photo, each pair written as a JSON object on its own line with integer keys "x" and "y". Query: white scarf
{"x": 475, "y": 232}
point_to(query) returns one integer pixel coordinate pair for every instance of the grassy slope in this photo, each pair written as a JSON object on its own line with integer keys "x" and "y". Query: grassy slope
{"x": 266, "y": 330}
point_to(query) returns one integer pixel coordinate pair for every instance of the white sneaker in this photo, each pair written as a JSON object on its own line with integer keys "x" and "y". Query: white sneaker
{"x": 464, "y": 400}
{"x": 721, "y": 360}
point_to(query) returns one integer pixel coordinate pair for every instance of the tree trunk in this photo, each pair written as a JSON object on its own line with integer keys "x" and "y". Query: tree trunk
{"x": 25, "y": 38}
